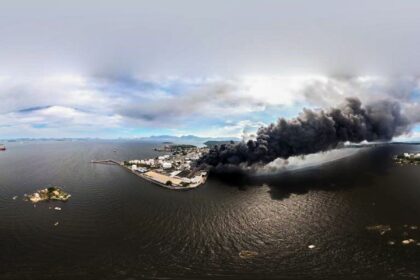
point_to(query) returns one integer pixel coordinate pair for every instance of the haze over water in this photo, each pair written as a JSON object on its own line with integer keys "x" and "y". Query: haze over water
{"x": 117, "y": 226}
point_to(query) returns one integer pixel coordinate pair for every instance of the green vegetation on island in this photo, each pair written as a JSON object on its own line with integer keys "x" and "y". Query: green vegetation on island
{"x": 51, "y": 193}
{"x": 176, "y": 148}
{"x": 212, "y": 143}
{"x": 408, "y": 158}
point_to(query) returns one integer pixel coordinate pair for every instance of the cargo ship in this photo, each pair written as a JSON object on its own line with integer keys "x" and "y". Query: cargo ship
{"x": 2, "y": 147}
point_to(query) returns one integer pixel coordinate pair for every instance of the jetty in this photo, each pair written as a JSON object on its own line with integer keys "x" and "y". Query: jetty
{"x": 106, "y": 161}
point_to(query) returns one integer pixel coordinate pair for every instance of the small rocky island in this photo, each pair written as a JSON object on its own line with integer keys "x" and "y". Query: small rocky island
{"x": 408, "y": 158}
{"x": 51, "y": 193}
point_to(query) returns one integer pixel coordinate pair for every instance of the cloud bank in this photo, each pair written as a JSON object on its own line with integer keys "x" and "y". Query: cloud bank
{"x": 212, "y": 68}
{"x": 83, "y": 106}
{"x": 205, "y": 38}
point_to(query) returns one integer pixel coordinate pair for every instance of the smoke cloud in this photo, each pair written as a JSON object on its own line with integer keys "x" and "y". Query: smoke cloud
{"x": 315, "y": 131}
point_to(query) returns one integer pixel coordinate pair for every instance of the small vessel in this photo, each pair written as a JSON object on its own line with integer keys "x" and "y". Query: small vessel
{"x": 2, "y": 147}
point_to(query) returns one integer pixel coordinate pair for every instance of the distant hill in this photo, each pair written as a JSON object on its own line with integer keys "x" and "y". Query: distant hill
{"x": 161, "y": 139}
{"x": 212, "y": 143}
{"x": 187, "y": 139}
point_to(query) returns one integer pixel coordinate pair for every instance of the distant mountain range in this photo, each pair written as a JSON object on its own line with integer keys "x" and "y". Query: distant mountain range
{"x": 187, "y": 139}
{"x": 192, "y": 140}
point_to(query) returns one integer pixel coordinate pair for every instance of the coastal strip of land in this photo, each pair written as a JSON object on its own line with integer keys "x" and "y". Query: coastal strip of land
{"x": 175, "y": 170}
{"x": 408, "y": 158}
{"x": 163, "y": 180}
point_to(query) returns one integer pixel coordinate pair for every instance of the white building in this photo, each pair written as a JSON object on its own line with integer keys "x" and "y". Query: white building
{"x": 194, "y": 156}
{"x": 164, "y": 157}
{"x": 148, "y": 162}
{"x": 174, "y": 173}
{"x": 186, "y": 180}
{"x": 135, "y": 161}
{"x": 166, "y": 165}
{"x": 196, "y": 179}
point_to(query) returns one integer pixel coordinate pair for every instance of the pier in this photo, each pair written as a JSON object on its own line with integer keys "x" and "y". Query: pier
{"x": 106, "y": 161}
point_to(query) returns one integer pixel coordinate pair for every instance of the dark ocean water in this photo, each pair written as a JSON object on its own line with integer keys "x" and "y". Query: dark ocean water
{"x": 117, "y": 226}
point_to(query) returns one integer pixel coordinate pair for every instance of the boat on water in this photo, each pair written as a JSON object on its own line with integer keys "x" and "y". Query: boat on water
{"x": 2, "y": 147}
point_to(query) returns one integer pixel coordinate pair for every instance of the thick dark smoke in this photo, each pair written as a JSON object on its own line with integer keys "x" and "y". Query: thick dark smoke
{"x": 314, "y": 131}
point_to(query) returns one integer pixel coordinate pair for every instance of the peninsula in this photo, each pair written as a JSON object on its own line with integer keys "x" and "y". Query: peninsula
{"x": 176, "y": 170}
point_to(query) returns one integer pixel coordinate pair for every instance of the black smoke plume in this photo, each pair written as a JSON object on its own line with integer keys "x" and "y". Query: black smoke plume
{"x": 314, "y": 131}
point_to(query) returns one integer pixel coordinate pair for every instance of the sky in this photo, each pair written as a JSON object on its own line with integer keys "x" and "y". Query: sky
{"x": 129, "y": 69}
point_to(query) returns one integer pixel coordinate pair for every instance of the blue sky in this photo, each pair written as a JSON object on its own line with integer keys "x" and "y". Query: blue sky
{"x": 210, "y": 68}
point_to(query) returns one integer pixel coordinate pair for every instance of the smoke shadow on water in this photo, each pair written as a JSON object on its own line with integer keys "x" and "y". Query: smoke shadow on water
{"x": 357, "y": 170}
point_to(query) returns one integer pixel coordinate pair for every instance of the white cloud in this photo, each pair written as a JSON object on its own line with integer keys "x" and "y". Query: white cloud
{"x": 279, "y": 90}
{"x": 243, "y": 129}
{"x": 74, "y": 102}
{"x": 58, "y": 118}
{"x": 83, "y": 64}
{"x": 412, "y": 136}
